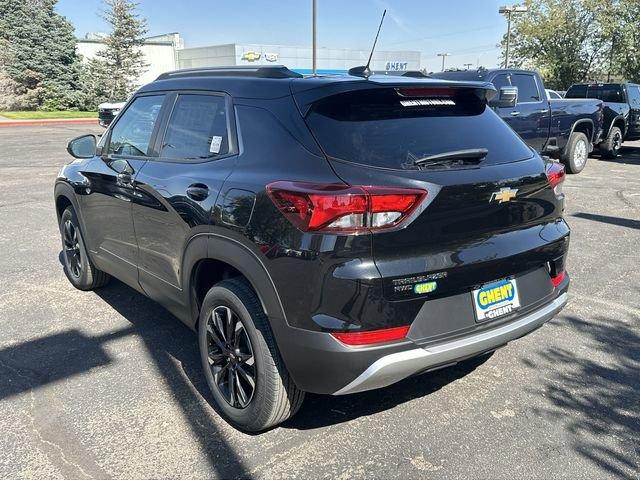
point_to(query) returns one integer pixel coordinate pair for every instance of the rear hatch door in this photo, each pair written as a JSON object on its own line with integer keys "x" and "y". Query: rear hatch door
{"x": 484, "y": 218}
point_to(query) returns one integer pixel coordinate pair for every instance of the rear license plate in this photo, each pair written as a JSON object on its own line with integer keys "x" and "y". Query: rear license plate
{"x": 496, "y": 299}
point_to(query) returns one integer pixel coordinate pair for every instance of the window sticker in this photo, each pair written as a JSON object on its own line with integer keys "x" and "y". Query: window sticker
{"x": 216, "y": 142}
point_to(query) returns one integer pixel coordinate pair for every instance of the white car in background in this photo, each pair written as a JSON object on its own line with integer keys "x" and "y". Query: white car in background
{"x": 553, "y": 95}
{"x": 108, "y": 111}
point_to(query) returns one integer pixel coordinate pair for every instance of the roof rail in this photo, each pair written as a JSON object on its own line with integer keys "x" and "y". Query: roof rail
{"x": 268, "y": 71}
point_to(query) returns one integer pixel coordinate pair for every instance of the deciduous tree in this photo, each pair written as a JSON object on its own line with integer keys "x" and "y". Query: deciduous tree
{"x": 563, "y": 39}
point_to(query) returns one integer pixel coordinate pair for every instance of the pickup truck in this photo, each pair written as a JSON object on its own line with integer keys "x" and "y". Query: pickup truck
{"x": 621, "y": 112}
{"x": 562, "y": 128}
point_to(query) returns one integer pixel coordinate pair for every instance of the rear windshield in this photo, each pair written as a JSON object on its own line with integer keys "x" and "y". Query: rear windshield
{"x": 608, "y": 92}
{"x": 392, "y": 128}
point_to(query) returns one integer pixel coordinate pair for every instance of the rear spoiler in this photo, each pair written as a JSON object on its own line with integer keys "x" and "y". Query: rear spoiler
{"x": 307, "y": 93}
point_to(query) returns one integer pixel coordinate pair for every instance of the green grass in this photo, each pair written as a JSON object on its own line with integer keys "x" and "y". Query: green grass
{"x": 38, "y": 115}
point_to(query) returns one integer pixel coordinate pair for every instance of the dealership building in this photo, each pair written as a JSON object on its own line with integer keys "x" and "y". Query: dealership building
{"x": 329, "y": 60}
{"x": 166, "y": 52}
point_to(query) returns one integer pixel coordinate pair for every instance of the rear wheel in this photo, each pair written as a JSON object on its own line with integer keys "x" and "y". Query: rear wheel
{"x": 576, "y": 152}
{"x": 611, "y": 146}
{"x": 247, "y": 377}
{"x": 77, "y": 265}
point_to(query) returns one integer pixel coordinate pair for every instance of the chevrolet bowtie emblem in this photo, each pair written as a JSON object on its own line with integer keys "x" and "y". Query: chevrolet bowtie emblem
{"x": 504, "y": 195}
{"x": 251, "y": 56}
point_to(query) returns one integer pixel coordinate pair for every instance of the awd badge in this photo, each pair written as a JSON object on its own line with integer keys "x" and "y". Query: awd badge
{"x": 426, "y": 287}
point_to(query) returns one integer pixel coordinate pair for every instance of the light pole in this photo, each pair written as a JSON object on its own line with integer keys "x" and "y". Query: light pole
{"x": 313, "y": 41}
{"x": 443, "y": 55}
{"x": 509, "y": 10}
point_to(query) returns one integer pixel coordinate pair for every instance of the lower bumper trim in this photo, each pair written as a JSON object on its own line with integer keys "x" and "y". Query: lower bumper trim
{"x": 397, "y": 366}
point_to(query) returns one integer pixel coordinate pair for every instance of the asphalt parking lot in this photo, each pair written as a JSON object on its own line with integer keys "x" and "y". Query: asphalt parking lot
{"x": 107, "y": 384}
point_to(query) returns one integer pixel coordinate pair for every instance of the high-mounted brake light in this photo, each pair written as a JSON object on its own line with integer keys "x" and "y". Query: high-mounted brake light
{"x": 342, "y": 208}
{"x": 372, "y": 337}
{"x": 556, "y": 175}
{"x": 425, "y": 91}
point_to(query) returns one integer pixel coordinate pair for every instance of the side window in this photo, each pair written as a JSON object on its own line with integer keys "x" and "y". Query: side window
{"x": 577, "y": 91}
{"x": 634, "y": 95}
{"x": 132, "y": 134}
{"x": 611, "y": 93}
{"x": 500, "y": 81}
{"x": 527, "y": 88}
{"x": 197, "y": 128}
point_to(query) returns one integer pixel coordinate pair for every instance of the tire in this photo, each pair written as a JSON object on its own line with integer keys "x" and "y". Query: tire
{"x": 576, "y": 152}
{"x": 611, "y": 146}
{"x": 77, "y": 265}
{"x": 274, "y": 397}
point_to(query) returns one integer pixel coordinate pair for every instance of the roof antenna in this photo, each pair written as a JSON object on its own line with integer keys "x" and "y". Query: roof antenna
{"x": 364, "y": 71}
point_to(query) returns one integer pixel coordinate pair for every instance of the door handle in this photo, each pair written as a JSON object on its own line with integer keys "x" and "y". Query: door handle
{"x": 515, "y": 114}
{"x": 197, "y": 192}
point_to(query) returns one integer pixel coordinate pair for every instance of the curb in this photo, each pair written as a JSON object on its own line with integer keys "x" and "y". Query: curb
{"x": 47, "y": 121}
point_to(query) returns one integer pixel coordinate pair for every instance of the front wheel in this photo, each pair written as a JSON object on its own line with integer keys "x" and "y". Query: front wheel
{"x": 576, "y": 152}
{"x": 77, "y": 265}
{"x": 245, "y": 373}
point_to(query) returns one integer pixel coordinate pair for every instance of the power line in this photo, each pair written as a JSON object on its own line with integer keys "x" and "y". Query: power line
{"x": 448, "y": 34}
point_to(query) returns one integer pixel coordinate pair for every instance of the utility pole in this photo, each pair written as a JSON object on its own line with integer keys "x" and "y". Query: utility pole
{"x": 613, "y": 44}
{"x": 313, "y": 42}
{"x": 468, "y": 65}
{"x": 443, "y": 55}
{"x": 509, "y": 10}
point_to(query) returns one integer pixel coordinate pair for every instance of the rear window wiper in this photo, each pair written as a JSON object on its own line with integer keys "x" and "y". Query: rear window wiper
{"x": 458, "y": 157}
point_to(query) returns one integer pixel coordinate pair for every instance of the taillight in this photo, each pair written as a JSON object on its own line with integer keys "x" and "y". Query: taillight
{"x": 558, "y": 279}
{"x": 342, "y": 208}
{"x": 372, "y": 337}
{"x": 555, "y": 175}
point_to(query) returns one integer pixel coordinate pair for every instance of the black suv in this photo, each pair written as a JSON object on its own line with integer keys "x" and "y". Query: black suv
{"x": 621, "y": 112}
{"x": 321, "y": 234}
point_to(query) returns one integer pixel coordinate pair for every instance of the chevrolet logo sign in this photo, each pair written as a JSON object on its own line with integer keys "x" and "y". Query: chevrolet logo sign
{"x": 251, "y": 56}
{"x": 504, "y": 195}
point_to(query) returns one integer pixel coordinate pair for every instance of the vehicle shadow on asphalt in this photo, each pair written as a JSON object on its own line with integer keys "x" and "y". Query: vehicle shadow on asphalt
{"x": 323, "y": 410}
{"x": 166, "y": 337}
{"x": 592, "y": 398}
{"x": 173, "y": 348}
{"x": 627, "y": 156}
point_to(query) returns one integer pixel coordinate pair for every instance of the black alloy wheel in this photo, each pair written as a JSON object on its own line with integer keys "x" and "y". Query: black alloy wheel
{"x": 231, "y": 357}
{"x": 72, "y": 249}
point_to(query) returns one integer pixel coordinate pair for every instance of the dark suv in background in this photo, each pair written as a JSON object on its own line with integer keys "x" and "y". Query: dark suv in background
{"x": 621, "y": 113}
{"x": 321, "y": 234}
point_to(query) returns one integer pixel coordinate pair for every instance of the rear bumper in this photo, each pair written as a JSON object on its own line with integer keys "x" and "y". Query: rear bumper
{"x": 397, "y": 366}
{"x": 319, "y": 363}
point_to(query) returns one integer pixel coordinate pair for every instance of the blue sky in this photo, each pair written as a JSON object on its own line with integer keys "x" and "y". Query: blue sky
{"x": 469, "y": 29}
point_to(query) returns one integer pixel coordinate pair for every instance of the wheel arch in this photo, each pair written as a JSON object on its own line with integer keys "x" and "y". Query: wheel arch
{"x": 65, "y": 196}
{"x": 585, "y": 126}
{"x": 210, "y": 258}
{"x": 618, "y": 122}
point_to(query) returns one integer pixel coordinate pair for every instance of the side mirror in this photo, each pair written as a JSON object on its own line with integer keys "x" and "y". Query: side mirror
{"x": 82, "y": 147}
{"x": 506, "y": 98}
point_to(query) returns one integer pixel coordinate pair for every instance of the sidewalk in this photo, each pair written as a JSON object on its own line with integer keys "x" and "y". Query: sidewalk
{"x": 8, "y": 122}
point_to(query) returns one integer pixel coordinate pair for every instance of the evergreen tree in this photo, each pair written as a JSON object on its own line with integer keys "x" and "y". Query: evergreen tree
{"x": 40, "y": 57}
{"x": 122, "y": 56}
